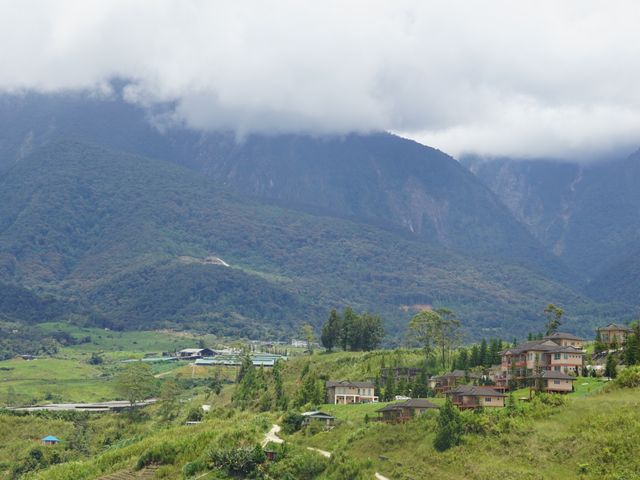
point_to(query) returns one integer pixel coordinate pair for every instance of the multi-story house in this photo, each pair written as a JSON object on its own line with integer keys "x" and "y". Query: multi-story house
{"x": 346, "y": 392}
{"x": 614, "y": 334}
{"x": 533, "y": 357}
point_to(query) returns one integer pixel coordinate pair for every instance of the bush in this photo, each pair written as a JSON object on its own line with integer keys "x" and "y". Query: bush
{"x": 292, "y": 422}
{"x": 450, "y": 427}
{"x": 304, "y": 465}
{"x": 628, "y": 378}
{"x": 192, "y": 468}
{"x": 161, "y": 454}
{"x": 239, "y": 460}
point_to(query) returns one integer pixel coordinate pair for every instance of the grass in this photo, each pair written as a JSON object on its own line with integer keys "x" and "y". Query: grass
{"x": 593, "y": 436}
{"x": 53, "y": 379}
{"x": 582, "y": 386}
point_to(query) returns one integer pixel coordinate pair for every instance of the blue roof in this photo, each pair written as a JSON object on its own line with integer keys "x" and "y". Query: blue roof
{"x": 50, "y": 438}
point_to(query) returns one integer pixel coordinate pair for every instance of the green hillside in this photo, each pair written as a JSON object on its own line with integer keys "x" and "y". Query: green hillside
{"x": 120, "y": 235}
{"x": 590, "y": 434}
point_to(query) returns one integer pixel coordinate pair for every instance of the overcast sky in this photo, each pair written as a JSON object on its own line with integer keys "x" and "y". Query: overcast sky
{"x": 554, "y": 78}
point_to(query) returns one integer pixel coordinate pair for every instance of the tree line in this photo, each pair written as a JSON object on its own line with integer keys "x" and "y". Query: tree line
{"x": 352, "y": 331}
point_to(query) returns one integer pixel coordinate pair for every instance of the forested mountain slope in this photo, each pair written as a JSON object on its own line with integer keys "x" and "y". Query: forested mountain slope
{"x": 127, "y": 237}
{"x": 379, "y": 179}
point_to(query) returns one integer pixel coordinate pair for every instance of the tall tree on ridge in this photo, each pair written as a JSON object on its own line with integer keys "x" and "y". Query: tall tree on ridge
{"x": 553, "y": 315}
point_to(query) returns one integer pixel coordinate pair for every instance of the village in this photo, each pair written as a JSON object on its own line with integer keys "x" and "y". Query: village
{"x": 311, "y": 395}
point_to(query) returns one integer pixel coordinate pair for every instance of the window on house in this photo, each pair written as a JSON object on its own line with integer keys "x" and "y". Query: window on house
{"x": 557, "y": 382}
{"x": 557, "y": 369}
{"x": 566, "y": 356}
{"x": 556, "y": 356}
{"x": 487, "y": 399}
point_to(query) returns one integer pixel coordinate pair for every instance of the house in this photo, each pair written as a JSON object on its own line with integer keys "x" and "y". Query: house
{"x": 299, "y": 343}
{"x": 614, "y": 334}
{"x": 192, "y": 353}
{"x": 50, "y": 440}
{"x": 472, "y": 396}
{"x": 346, "y": 392}
{"x": 565, "y": 339}
{"x": 403, "y": 411}
{"x": 523, "y": 360}
{"x": 28, "y": 357}
{"x": 444, "y": 383}
{"x": 316, "y": 415}
{"x": 555, "y": 382}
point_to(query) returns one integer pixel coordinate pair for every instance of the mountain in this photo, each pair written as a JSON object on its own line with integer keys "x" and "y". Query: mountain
{"x": 139, "y": 243}
{"x": 587, "y": 215}
{"x": 378, "y": 179}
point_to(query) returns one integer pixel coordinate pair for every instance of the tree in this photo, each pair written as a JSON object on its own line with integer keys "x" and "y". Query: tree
{"x": 553, "y": 315}
{"x": 484, "y": 354}
{"x": 330, "y": 336}
{"x": 281, "y": 401}
{"x": 214, "y": 385}
{"x": 610, "y": 369}
{"x": 169, "y": 399}
{"x": 389, "y": 386}
{"x": 348, "y": 319}
{"x": 134, "y": 382}
{"x": 462, "y": 362}
{"x": 311, "y": 392}
{"x": 632, "y": 346}
{"x": 449, "y": 428}
{"x": 474, "y": 361}
{"x": 435, "y": 330}
{"x": 598, "y": 346}
{"x": 307, "y": 333}
{"x": 366, "y": 332}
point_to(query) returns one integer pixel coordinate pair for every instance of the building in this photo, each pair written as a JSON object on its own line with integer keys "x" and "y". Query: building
{"x": 527, "y": 358}
{"x": 565, "y": 340}
{"x": 192, "y": 353}
{"x": 346, "y": 392}
{"x": 472, "y": 396}
{"x": 403, "y": 411}
{"x": 448, "y": 381}
{"x": 555, "y": 382}
{"x": 614, "y": 334}
{"x": 316, "y": 415}
{"x": 299, "y": 343}
{"x": 50, "y": 440}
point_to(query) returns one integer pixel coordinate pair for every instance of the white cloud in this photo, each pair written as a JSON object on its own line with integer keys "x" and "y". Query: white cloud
{"x": 497, "y": 77}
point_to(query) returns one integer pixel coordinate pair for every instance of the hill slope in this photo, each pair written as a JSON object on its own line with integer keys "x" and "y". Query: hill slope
{"x": 379, "y": 179}
{"x": 128, "y": 235}
{"x": 588, "y": 215}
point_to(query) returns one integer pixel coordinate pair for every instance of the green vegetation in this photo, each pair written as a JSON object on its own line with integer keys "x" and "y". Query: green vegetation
{"x": 589, "y": 433}
{"x": 121, "y": 242}
{"x": 352, "y": 331}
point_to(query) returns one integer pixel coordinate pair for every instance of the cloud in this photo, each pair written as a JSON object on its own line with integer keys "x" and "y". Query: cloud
{"x": 498, "y": 77}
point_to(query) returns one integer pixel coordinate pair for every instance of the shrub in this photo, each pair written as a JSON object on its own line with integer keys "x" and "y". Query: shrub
{"x": 161, "y": 454}
{"x": 450, "y": 427}
{"x": 192, "y": 468}
{"x": 629, "y": 378}
{"x": 299, "y": 466}
{"x": 292, "y": 422}
{"x": 238, "y": 460}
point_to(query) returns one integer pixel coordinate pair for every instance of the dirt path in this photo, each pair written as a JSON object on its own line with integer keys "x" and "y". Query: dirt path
{"x": 272, "y": 435}
{"x": 324, "y": 453}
